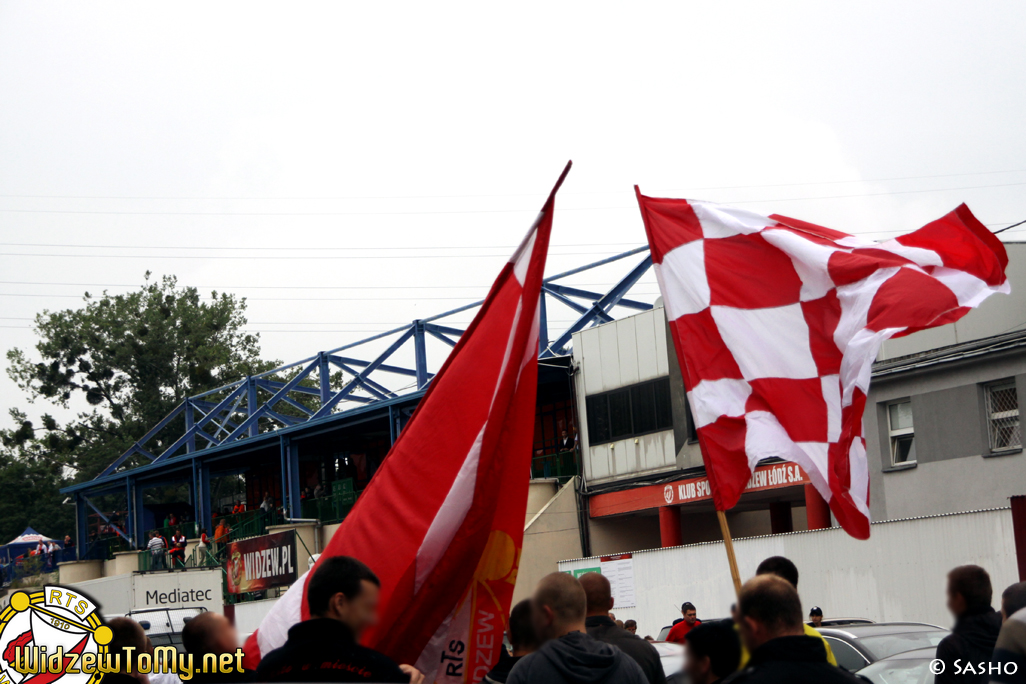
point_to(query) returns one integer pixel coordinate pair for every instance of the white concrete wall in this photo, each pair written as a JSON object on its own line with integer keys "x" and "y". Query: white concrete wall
{"x": 898, "y": 574}
{"x": 618, "y": 354}
{"x": 551, "y": 534}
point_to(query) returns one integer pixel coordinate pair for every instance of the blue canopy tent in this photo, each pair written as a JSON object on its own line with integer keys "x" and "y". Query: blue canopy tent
{"x": 23, "y": 543}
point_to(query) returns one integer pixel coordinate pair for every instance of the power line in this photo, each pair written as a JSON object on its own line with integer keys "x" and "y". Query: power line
{"x": 294, "y": 299}
{"x": 280, "y": 257}
{"x": 472, "y": 211}
{"x": 517, "y": 194}
{"x": 318, "y": 248}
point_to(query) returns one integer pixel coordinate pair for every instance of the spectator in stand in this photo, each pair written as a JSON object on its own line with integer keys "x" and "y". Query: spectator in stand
{"x": 687, "y": 623}
{"x": 567, "y": 654}
{"x": 156, "y": 548}
{"x": 173, "y": 520}
{"x": 566, "y": 442}
{"x": 599, "y": 602}
{"x": 631, "y": 626}
{"x": 976, "y": 629}
{"x": 68, "y": 542}
{"x": 203, "y": 548}
{"x": 212, "y": 633}
{"x": 318, "y": 491}
{"x": 167, "y": 520}
{"x": 221, "y": 532}
{"x": 522, "y": 639}
{"x": 816, "y": 616}
{"x": 771, "y": 627}
{"x": 788, "y": 571}
{"x": 267, "y": 505}
{"x": 178, "y": 544}
{"x": 712, "y": 652}
{"x": 342, "y": 598}
{"x": 238, "y": 508}
{"x": 128, "y": 634}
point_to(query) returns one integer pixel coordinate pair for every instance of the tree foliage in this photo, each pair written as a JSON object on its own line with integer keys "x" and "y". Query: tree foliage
{"x": 128, "y": 360}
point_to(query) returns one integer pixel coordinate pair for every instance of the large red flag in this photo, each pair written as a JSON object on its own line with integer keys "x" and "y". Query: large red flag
{"x": 442, "y": 521}
{"x": 777, "y": 323}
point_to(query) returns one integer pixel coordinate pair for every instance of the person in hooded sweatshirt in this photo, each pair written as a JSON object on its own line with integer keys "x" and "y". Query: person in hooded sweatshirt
{"x": 600, "y": 626}
{"x": 521, "y": 637}
{"x": 769, "y": 614}
{"x": 1008, "y": 664}
{"x": 567, "y": 654}
{"x": 967, "y": 650}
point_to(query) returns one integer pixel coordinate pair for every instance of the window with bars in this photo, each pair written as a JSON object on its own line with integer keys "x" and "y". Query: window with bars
{"x": 902, "y": 433}
{"x": 1003, "y": 416}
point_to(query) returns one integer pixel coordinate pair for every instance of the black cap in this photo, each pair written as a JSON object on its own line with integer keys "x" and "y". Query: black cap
{"x": 816, "y": 610}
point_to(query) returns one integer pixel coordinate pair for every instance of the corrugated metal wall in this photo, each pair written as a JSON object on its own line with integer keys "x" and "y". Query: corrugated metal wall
{"x": 899, "y": 574}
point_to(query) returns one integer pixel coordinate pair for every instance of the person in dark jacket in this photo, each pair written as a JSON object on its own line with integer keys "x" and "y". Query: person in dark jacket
{"x": 770, "y": 622}
{"x": 521, "y": 637}
{"x": 1008, "y": 664}
{"x": 342, "y": 597}
{"x": 211, "y": 633}
{"x": 712, "y": 652}
{"x": 127, "y": 634}
{"x": 967, "y": 650}
{"x": 567, "y": 654}
{"x": 600, "y": 601}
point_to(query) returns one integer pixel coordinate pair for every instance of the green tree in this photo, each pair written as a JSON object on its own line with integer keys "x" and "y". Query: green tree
{"x": 132, "y": 358}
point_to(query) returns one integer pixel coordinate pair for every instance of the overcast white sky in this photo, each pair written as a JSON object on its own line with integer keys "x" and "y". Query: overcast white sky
{"x": 128, "y": 129}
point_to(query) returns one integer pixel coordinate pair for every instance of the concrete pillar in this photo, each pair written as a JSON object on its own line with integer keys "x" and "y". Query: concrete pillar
{"x": 1019, "y": 533}
{"x": 780, "y": 517}
{"x": 669, "y": 526}
{"x": 816, "y": 509}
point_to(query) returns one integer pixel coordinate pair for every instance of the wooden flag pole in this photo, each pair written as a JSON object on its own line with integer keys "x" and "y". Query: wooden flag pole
{"x": 731, "y": 558}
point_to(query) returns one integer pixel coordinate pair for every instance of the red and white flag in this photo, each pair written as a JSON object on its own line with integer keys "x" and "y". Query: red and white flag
{"x": 442, "y": 521}
{"x": 777, "y": 323}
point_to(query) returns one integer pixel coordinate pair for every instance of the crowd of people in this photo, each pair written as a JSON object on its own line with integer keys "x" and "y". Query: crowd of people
{"x": 566, "y": 634}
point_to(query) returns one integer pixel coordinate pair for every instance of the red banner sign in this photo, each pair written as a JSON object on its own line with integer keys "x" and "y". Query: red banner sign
{"x": 259, "y": 563}
{"x": 690, "y": 490}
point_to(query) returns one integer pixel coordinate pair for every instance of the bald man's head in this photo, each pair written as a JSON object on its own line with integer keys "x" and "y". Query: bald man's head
{"x": 559, "y": 606}
{"x": 598, "y": 593}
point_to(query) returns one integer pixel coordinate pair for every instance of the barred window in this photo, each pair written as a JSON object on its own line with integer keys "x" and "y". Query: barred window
{"x": 1003, "y": 416}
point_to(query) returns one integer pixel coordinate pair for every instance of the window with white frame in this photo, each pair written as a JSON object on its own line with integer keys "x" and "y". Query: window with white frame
{"x": 1003, "y": 416}
{"x": 903, "y": 445}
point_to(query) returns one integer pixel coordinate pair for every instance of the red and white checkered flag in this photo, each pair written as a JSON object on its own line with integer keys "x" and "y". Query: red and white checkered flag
{"x": 777, "y": 323}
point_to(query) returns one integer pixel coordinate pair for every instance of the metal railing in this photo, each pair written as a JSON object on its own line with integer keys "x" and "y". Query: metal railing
{"x": 562, "y": 466}
{"x": 334, "y": 507}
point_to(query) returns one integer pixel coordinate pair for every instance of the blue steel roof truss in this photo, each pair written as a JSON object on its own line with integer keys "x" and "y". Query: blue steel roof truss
{"x": 268, "y": 401}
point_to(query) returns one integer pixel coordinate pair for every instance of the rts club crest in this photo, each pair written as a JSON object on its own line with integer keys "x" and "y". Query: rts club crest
{"x": 49, "y": 634}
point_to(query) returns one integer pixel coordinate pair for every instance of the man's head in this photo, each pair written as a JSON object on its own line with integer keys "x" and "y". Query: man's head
{"x": 1013, "y": 599}
{"x": 127, "y": 633}
{"x": 768, "y": 608}
{"x": 712, "y": 652}
{"x": 598, "y": 593}
{"x": 631, "y": 626}
{"x": 781, "y": 567}
{"x": 344, "y": 589}
{"x": 564, "y": 434}
{"x": 687, "y": 609}
{"x": 209, "y": 633}
{"x": 521, "y": 629}
{"x": 558, "y": 606}
{"x": 816, "y": 616}
{"x": 969, "y": 590}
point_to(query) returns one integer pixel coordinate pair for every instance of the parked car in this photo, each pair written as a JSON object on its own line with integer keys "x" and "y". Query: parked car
{"x": 909, "y": 667}
{"x": 856, "y": 646}
{"x": 164, "y": 625}
{"x": 842, "y": 622}
{"x": 672, "y": 658}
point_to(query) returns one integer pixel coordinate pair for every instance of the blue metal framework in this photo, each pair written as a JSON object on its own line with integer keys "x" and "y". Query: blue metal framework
{"x": 254, "y": 406}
